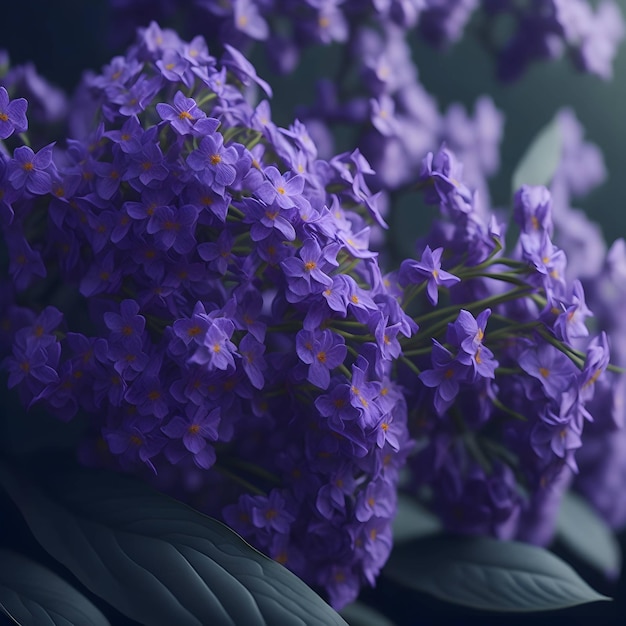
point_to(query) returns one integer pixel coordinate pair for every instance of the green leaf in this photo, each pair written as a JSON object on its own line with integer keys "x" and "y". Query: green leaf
{"x": 541, "y": 160}
{"x": 32, "y": 595}
{"x": 359, "y": 614}
{"x": 156, "y": 560}
{"x": 588, "y": 536}
{"x": 489, "y": 574}
{"x": 413, "y": 520}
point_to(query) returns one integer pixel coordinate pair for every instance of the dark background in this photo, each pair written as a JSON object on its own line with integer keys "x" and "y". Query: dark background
{"x": 65, "y": 37}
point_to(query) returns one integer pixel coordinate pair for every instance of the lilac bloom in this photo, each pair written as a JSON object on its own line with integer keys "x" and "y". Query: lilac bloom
{"x": 596, "y": 362}
{"x": 556, "y": 435}
{"x": 174, "y": 227}
{"x": 102, "y": 277}
{"x": 429, "y": 269}
{"x": 217, "y": 350}
{"x": 357, "y": 300}
{"x": 445, "y": 173}
{"x": 322, "y": 352}
{"x": 109, "y": 176}
{"x": 271, "y": 512}
{"x": 333, "y": 496}
{"x": 386, "y": 337}
{"x": 147, "y": 164}
{"x": 33, "y": 362}
{"x": 213, "y": 163}
{"x": 336, "y": 407}
{"x": 547, "y": 259}
{"x": 266, "y": 220}
{"x": 41, "y": 332}
{"x": 132, "y": 442}
{"x": 24, "y": 262}
{"x": 532, "y": 210}
{"x": 31, "y": 170}
{"x": 175, "y": 68}
{"x": 148, "y": 393}
{"x": 467, "y": 333}
{"x": 306, "y": 272}
{"x": 197, "y": 52}
{"x": 128, "y": 137}
{"x": 286, "y": 192}
{"x": 126, "y": 326}
{"x": 378, "y": 499}
{"x": 445, "y": 377}
{"x": 363, "y": 393}
{"x": 12, "y": 115}
{"x": 218, "y": 253}
{"x": 570, "y": 323}
{"x": 195, "y": 429}
{"x": 251, "y": 350}
{"x": 133, "y": 100}
{"x": 550, "y": 366}
{"x": 183, "y": 114}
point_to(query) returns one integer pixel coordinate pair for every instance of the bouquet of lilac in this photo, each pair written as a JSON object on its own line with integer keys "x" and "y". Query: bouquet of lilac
{"x": 230, "y": 400}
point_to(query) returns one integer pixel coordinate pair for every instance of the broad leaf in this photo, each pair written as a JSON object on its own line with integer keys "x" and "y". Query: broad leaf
{"x": 588, "y": 536}
{"x": 156, "y": 560}
{"x": 32, "y": 595}
{"x": 541, "y": 160}
{"x": 359, "y": 614}
{"x": 413, "y": 520}
{"x": 489, "y": 574}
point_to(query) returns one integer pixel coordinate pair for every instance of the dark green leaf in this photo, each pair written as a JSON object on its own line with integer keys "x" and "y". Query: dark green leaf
{"x": 34, "y": 596}
{"x": 588, "y": 536}
{"x": 359, "y": 614}
{"x": 541, "y": 159}
{"x": 413, "y": 520}
{"x": 489, "y": 574}
{"x": 157, "y": 560}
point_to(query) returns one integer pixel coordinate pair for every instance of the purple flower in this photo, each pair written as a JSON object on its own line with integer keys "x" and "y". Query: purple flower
{"x": 428, "y": 269}
{"x": 174, "y": 227}
{"x": 306, "y": 272}
{"x": 322, "y": 352}
{"x": 132, "y": 442}
{"x": 12, "y": 115}
{"x": 31, "y": 170}
{"x": 271, "y": 512}
{"x": 467, "y": 333}
{"x": 550, "y": 366}
{"x": 193, "y": 431}
{"x": 33, "y": 362}
{"x": 445, "y": 377}
{"x": 217, "y": 350}
{"x": 127, "y": 325}
{"x": 183, "y": 114}
{"x": 251, "y": 351}
{"x": 533, "y": 210}
{"x": 267, "y": 220}
{"x": 213, "y": 163}
{"x": 148, "y": 394}
{"x": 147, "y": 164}
{"x": 286, "y": 192}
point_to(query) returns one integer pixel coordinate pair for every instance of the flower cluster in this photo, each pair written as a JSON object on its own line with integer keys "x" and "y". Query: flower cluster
{"x": 511, "y": 400}
{"x": 197, "y": 286}
{"x": 196, "y": 283}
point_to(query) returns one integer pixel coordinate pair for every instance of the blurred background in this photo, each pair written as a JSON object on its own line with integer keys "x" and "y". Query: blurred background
{"x": 65, "y": 37}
